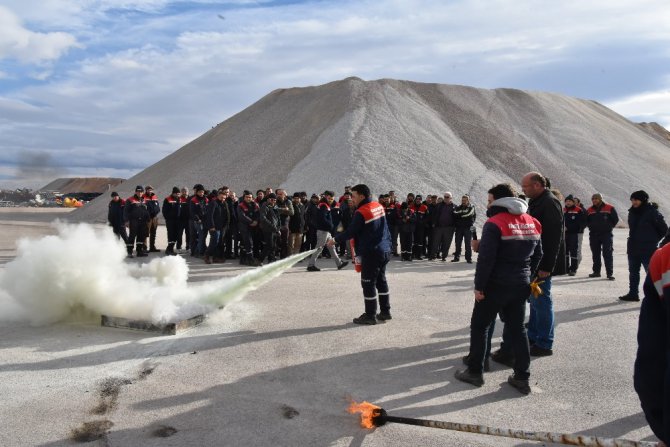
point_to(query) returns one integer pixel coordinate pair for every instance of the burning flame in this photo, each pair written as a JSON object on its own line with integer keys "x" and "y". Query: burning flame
{"x": 367, "y": 411}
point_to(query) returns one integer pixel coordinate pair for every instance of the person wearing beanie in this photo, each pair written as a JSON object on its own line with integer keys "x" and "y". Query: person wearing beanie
{"x": 136, "y": 217}
{"x": 184, "y": 231}
{"x": 646, "y": 227}
{"x": 115, "y": 217}
{"x": 171, "y": 210}
{"x": 601, "y": 218}
{"x": 575, "y": 222}
{"x": 465, "y": 216}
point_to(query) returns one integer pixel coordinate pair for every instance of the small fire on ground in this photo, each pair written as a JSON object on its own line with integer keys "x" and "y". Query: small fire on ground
{"x": 367, "y": 410}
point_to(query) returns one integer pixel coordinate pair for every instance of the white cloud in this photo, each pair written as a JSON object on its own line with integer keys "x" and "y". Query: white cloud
{"x": 647, "y": 106}
{"x": 146, "y": 87}
{"x": 19, "y": 43}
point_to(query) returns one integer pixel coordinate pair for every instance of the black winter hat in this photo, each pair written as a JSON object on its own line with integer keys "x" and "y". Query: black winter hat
{"x": 199, "y": 187}
{"x": 640, "y": 195}
{"x": 296, "y": 194}
{"x": 139, "y": 188}
{"x": 271, "y": 196}
{"x": 175, "y": 190}
{"x": 115, "y": 194}
{"x": 570, "y": 198}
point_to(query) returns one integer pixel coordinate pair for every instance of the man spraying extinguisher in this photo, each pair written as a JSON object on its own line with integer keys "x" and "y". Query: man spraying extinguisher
{"x": 372, "y": 245}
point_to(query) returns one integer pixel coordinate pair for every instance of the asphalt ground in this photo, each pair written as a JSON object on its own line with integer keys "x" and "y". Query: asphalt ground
{"x": 279, "y": 367}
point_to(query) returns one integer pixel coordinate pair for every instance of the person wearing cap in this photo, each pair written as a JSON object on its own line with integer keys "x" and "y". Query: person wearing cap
{"x": 464, "y": 216}
{"x": 115, "y": 217}
{"x": 646, "y": 227}
{"x": 197, "y": 212}
{"x": 601, "y": 218}
{"x": 136, "y": 217}
{"x": 575, "y": 222}
{"x": 154, "y": 208}
{"x": 184, "y": 230}
{"x": 296, "y": 225}
{"x": 444, "y": 227}
{"x": 372, "y": 245}
{"x": 171, "y": 209}
{"x": 324, "y": 229}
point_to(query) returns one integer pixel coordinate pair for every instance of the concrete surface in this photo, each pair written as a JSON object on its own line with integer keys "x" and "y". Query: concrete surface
{"x": 277, "y": 368}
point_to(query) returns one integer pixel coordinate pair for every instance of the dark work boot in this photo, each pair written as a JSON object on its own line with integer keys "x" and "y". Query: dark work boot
{"x": 487, "y": 364}
{"x": 469, "y": 377}
{"x": 140, "y": 251}
{"x": 365, "y": 319}
{"x": 503, "y": 357}
{"x": 629, "y": 297}
{"x": 520, "y": 384}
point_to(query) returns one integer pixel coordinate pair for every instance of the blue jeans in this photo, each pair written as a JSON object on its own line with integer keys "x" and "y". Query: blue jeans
{"x": 214, "y": 242}
{"x": 634, "y": 264}
{"x": 541, "y": 322}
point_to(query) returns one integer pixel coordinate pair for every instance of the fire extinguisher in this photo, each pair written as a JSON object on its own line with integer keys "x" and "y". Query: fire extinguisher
{"x": 357, "y": 259}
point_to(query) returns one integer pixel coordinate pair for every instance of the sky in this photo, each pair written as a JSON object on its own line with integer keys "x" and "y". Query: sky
{"x": 106, "y": 88}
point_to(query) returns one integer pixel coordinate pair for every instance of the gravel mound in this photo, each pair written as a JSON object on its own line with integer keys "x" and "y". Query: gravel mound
{"x": 415, "y": 137}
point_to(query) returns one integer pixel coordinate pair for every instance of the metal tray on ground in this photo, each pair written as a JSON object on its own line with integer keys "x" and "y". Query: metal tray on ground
{"x": 147, "y": 326}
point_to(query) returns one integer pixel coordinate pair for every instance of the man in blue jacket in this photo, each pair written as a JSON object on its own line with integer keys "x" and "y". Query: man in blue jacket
{"x": 372, "y": 244}
{"x": 509, "y": 250}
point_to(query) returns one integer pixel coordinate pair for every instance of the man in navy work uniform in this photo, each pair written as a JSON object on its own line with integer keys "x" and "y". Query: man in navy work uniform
{"x": 372, "y": 243}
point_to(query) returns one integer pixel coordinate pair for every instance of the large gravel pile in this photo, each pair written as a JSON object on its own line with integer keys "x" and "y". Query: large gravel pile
{"x": 414, "y": 137}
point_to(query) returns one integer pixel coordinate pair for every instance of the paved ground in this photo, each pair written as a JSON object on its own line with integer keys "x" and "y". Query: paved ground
{"x": 277, "y": 368}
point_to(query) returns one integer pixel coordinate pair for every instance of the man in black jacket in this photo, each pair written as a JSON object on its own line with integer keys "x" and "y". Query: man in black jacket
{"x": 285, "y": 210}
{"x": 296, "y": 225}
{"x": 151, "y": 200}
{"x": 115, "y": 217}
{"x": 184, "y": 213}
{"x": 509, "y": 251}
{"x": 217, "y": 221}
{"x": 197, "y": 211}
{"x": 646, "y": 226}
{"x": 324, "y": 229}
{"x": 601, "y": 218}
{"x": 547, "y": 209}
{"x": 248, "y": 216}
{"x": 444, "y": 227}
{"x": 171, "y": 210}
{"x": 465, "y": 217}
{"x": 575, "y": 222}
{"x": 136, "y": 217}
{"x": 270, "y": 224}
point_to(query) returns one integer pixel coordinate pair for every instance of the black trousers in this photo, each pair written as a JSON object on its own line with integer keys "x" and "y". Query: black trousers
{"x": 184, "y": 230}
{"x": 418, "y": 240}
{"x": 602, "y": 242}
{"x": 269, "y": 246}
{"x": 246, "y": 238}
{"x": 463, "y": 234}
{"x": 120, "y": 232}
{"x": 572, "y": 250}
{"x": 511, "y": 301}
{"x": 137, "y": 233}
{"x": 172, "y": 227}
{"x": 373, "y": 281}
{"x": 406, "y": 243}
